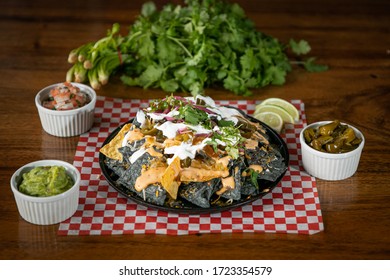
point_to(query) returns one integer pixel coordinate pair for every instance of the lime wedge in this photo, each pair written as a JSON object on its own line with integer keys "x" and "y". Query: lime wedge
{"x": 290, "y": 108}
{"x": 271, "y": 119}
{"x": 286, "y": 117}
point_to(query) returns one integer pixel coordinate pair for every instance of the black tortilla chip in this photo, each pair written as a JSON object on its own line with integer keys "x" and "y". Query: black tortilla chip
{"x": 199, "y": 193}
{"x": 235, "y": 170}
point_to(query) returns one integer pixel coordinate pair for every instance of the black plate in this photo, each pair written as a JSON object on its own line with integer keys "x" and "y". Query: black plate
{"x": 188, "y": 207}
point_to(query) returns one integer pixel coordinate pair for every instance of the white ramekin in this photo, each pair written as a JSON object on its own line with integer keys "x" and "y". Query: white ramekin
{"x": 328, "y": 166}
{"x": 46, "y": 210}
{"x": 68, "y": 122}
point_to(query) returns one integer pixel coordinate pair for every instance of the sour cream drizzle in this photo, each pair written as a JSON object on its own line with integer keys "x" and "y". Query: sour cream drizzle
{"x": 141, "y": 117}
{"x": 185, "y": 150}
{"x": 170, "y": 129}
{"x": 137, "y": 154}
{"x": 161, "y": 116}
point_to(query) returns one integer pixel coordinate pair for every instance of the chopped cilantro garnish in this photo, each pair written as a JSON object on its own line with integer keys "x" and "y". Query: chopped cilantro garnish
{"x": 222, "y": 123}
{"x": 194, "y": 116}
{"x": 230, "y": 137}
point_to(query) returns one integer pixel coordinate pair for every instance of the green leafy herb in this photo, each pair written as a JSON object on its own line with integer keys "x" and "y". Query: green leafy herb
{"x": 254, "y": 175}
{"x": 301, "y": 47}
{"x": 188, "y": 48}
{"x": 228, "y": 137}
{"x": 194, "y": 116}
{"x": 311, "y": 66}
{"x": 222, "y": 123}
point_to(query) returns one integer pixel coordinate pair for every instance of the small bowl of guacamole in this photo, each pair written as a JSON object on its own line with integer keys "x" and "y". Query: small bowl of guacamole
{"x": 46, "y": 191}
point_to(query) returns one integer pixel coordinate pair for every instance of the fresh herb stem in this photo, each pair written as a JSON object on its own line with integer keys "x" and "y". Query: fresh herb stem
{"x": 177, "y": 41}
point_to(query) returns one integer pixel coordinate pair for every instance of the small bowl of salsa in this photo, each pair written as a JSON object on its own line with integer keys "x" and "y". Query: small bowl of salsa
{"x": 46, "y": 191}
{"x": 66, "y": 109}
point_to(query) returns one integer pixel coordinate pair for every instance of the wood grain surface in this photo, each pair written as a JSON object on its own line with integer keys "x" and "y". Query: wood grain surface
{"x": 352, "y": 37}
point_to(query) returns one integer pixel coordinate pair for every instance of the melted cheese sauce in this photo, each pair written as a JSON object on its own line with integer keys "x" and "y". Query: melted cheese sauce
{"x": 192, "y": 174}
{"x": 256, "y": 167}
{"x": 227, "y": 184}
{"x": 132, "y": 135}
{"x": 151, "y": 151}
{"x": 251, "y": 144}
{"x": 224, "y": 161}
{"x": 148, "y": 177}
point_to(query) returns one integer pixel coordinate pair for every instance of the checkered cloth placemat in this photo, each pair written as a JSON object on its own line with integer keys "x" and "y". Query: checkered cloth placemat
{"x": 292, "y": 207}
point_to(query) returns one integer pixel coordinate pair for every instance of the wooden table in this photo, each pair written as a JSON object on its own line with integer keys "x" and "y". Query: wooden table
{"x": 352, "y": 37}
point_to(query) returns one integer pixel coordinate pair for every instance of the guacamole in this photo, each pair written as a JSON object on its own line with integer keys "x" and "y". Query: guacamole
{"x": 46, "y": 181}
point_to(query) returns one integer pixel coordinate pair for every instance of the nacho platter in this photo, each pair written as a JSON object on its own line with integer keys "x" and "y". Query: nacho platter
{"x": 195, "y": 183}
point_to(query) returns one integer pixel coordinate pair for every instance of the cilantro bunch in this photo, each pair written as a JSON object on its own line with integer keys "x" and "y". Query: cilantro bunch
{"x": 209, "y": 43}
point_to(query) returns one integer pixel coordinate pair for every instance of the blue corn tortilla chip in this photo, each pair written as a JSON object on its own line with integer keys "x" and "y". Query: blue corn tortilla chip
{"x": 235, "y": 170}
{"x": 270, "y": 160}
{"x": 199, "y": 193}
{"x": 153, "y": 193}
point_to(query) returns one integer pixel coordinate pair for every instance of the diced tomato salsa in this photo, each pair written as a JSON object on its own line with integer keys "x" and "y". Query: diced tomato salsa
{"x": 66, "y": 97}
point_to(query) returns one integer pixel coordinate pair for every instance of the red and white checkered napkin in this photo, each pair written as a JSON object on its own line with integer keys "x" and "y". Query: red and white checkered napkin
{"x": 292, "y": 207}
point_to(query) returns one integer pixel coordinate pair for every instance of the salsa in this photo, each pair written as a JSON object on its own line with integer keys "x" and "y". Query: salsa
{"x": 43, "y": 181}
{"x": 66, "y": 97}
